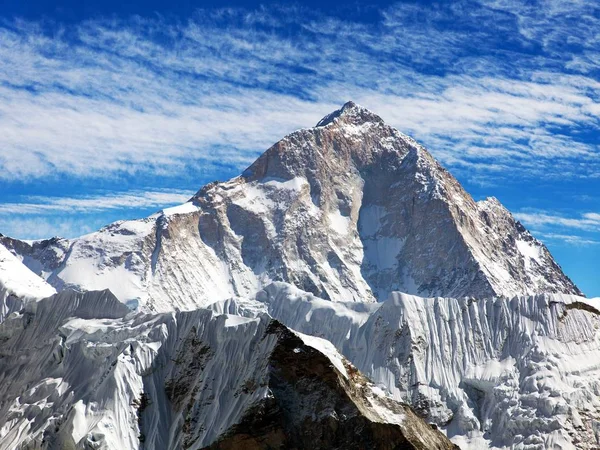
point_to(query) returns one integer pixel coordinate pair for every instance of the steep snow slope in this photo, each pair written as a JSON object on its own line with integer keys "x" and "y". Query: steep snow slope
{"x": 520, "y": 373}
{"x": 349, "y": 210}
{"x": 523, "y": 372}
{"x": 41, "y": 257}
{"x": 18, "y": 284}
{"x": 80, "y": 371}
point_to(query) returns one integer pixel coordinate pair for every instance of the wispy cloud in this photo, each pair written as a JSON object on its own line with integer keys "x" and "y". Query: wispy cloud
{"x": 42, "y": 227}
{"x": 130, "y": 200}
{"x": 582, "y": 229}
{"x": 587, "y": 221}
{"x": 570, "y": 239}
{"x": 37, "y": 217}
{"x": 505, "y": 87}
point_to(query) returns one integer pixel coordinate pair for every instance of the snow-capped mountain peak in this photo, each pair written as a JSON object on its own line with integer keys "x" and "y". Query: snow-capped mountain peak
{"x": 350, "y": 114}
{"x": 349, "y": 210}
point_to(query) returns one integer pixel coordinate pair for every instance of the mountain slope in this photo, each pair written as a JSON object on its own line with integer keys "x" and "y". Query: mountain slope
{"x": 78, "y": 371}
{"x": 351, "y": 209}
{"x": 18, "y": 284}
{"x": 326, "y": 235}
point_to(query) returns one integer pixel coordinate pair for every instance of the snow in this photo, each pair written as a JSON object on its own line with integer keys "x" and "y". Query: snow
{"x": 533, "y": 361}
{"x": 17, "y": 279}
{"x": 185, "y": 208}
{"x": 384, "y": 413}
{"x": 371, "y": 220}
{"x": 327, "y": 348}
{"x": 234, "y": 321}
{"x": 91, "y": 262}
{"x": 125, "y": 285}
{"x": 384, "y": 251}
{"x": 255, "y": 198}
{"x": 267, "y": 195}
{"x": 340, "y": 224}
{"x": 295, "y": 184}
{"x": 486, "y": 376}
{"x": 18, "y": 284}
{"x": 355, "y": 131}
{"x": 311, "y": 315}
{"x": 530, "y": 251}
{"x": 76, "y": 377}
{"x": 105, "y": 364}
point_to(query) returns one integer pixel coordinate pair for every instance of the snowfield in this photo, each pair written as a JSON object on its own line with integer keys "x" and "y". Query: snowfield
{"x": 18, "y": 284}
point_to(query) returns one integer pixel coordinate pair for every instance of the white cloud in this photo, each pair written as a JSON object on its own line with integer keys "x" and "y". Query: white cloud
{"x": 587, "y": 221}
{"x": 569, "y": 239}
{"x": 137, "y": 199}
{"x": 577, "y": 229}
{"x": 44, "y": 227}
{"x": 156, "y": 96}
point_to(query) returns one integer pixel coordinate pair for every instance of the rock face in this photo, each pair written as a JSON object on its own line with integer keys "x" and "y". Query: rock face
{"x": 351, "y": 209}
{"x": 314, "y": 405}
{"x": 76, "y": 371}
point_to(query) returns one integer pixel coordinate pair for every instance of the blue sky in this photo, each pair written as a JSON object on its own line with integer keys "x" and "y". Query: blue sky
{"x": 112, "y": 110}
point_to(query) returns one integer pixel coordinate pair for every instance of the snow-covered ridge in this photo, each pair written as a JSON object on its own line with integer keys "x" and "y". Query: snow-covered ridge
{"x": 17, "y": 279}
{"x": 80, "y": 371}
{"x": 18, "y": 284}
{"x": 501, "y": 373}
{"x": 518, "y": 373}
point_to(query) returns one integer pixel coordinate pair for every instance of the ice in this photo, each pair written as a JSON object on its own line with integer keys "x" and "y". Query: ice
{"x": 495, "y": 373}
{"x": 327, "y": 349}
{"x": 17, "y": 279}
{"x": 93, "y": 374}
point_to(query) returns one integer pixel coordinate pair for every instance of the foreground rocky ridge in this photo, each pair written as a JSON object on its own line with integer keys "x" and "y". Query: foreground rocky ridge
{"x": 80, "y": 371}
{"x": 522, "y": 373}
{"x": 518, "y": 373}
{"x": 351, "y": 209}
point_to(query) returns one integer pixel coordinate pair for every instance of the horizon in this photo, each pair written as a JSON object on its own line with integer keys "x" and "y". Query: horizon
{"x": 112, "y": 112}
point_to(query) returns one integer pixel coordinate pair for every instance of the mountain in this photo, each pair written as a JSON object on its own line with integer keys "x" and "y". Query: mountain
{"x": 351, "y": 209}
{"x": 78, "y": 371}
{"x": 343, "y": 292}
